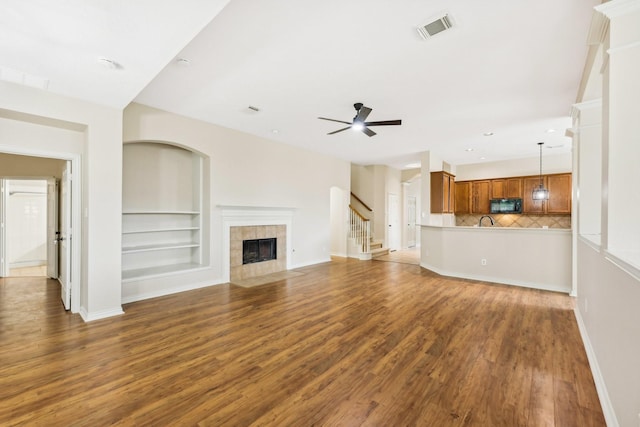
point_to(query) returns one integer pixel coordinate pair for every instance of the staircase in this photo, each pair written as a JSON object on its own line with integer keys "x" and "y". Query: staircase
{"x": 361, "y": 239}
{"x": 376, "y": 248}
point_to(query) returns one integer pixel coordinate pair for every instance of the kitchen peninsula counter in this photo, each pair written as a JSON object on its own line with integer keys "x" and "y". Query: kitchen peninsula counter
{"x": 532, "y": 257}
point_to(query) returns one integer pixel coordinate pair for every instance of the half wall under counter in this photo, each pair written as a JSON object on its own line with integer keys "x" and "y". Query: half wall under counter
{"x": 531, "y": 257}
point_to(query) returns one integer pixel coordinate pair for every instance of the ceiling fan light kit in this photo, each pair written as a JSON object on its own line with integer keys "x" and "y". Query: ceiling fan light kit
{"x": 359, "y": 124}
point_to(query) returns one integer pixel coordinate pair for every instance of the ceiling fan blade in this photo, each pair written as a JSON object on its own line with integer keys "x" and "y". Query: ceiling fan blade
{"x": 334, "y": 120}
{"x": 362, "y": 115}
{"x": 368, "y": 131}
{"x": 384, "y": 123}
{"x": 339, "y": 130}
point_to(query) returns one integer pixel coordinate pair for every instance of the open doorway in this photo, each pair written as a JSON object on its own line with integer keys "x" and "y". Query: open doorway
{"x": 35, "y": 221}
{"x": 26, "y": 227}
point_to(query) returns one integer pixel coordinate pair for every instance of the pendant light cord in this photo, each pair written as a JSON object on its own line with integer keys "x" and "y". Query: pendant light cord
{"x": 540, "y": 144}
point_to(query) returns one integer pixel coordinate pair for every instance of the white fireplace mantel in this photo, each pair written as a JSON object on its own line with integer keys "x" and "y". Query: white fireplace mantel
{"x": 241, "y": 216}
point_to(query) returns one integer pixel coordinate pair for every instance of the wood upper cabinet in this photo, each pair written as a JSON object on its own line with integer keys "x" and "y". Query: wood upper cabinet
{"x": 463, "y": 197}
{"x": 528, "y": 204}
{"x": 506, "y": 188}
{"x": 498, "y": 188}
{"x": 559, "y": 187}
{"x": 480, "y": 200}
{"x": 474, "y": 197}
{"x": 442, "y": 192}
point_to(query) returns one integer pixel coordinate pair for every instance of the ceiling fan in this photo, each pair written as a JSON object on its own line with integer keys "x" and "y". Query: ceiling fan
{"x": 359, "y": 123}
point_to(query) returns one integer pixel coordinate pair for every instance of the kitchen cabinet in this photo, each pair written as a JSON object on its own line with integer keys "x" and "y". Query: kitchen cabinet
{"x": 442, "y": 192}
{"x": 463, "y": 197}
{"x": 559, "y": 203}
{"x": 530, "y": 206}
{"x": 480, "y": 200}
{"x": 559, "y": 186}
{"x": 506, "y": 188}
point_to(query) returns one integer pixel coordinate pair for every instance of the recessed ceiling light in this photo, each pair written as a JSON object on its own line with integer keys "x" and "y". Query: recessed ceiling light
{"x": 550, "y": 130}
{"x": 109, "y": 64}
{"x": 275, "y": 131}
{"x": 183, "y": 62}
{"x": 412, "y": 165}
{"x": 468, "y": 149}
{"x": 488, "y": 133}
{"x": 482, "y": 158}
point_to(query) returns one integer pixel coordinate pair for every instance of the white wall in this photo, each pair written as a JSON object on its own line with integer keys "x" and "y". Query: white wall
{"x": 36, "y": 121}
{"x": 411, "y": 189}
{"x": 608, "y": 289}
{"x": 513, "y": 255}
{"x": 246, "y": 170}
{"x": 339, "y": 221}
{"x": 551, "y": 163}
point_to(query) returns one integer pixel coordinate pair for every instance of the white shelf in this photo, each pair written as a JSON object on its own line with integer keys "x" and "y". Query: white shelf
{"x": 159, "y": 247}
{"x": 160, "y": 213}
{"x": 160, "y": 230}
{"x": 162, "y": 221}
{"x": 165, "y": 270}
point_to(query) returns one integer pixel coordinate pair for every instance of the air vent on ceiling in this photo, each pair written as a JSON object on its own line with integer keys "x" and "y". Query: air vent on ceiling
{"x": 444, "y": 22}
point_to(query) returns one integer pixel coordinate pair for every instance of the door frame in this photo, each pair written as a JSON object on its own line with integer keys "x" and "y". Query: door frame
{"x": 394, "y": 232}
{"x": 75, "y": 214}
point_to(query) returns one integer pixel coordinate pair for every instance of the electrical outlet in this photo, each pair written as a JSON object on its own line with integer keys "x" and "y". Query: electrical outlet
{"x": 483, "y": 261}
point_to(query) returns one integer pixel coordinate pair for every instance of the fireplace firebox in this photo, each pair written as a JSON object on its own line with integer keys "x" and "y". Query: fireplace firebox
{"x": 259, "y": 250}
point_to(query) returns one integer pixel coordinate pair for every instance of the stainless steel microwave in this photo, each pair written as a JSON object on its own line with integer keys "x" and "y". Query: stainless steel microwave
{"x": 506, "y": 206}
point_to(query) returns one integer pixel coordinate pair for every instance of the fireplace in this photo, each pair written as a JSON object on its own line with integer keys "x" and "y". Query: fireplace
{"x": 259, "y": 250}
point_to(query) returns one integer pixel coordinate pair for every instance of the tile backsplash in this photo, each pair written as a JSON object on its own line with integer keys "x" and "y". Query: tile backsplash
{"x": 517, "y": 220}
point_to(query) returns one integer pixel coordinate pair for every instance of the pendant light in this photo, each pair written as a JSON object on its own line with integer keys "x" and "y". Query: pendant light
{"x": 540, "y": 193}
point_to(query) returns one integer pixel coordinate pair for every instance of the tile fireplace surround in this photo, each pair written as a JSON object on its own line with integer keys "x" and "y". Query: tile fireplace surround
{"x": 255, "y": 222}
{"x": 247, "y": 271}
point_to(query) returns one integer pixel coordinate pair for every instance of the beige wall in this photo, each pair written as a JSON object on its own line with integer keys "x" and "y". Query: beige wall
{"x": 12, "y": 165}
{"x": 513, "y": 255}
{"x": 551, "y": 163}
{"x": 246, "y": 170}
{"x": 34, "y": 121}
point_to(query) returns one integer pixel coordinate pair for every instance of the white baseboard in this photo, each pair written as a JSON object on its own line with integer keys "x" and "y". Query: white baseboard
{"x": 554, "y": 288}
{"x": 307, "y": 264}
{"x": 601, "y": 387}
{"x": 169, "y": 291}
{"x": 97, "y": 315}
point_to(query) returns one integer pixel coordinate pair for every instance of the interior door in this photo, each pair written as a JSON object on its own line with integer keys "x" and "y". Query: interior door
{"x": 411, "y": 221}
{"x": 52, "y": 228}
{"x": 393, "y": 215}
{"x": 64, "y": 237}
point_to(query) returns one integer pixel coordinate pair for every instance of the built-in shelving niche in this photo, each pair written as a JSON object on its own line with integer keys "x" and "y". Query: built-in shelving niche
{"x": 162, "y": 210}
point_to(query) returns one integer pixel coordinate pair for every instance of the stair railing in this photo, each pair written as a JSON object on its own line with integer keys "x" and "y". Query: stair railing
{"x": 359, "y": 230}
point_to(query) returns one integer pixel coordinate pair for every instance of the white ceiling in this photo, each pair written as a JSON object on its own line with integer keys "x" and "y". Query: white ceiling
{"x": 508, "y": 67}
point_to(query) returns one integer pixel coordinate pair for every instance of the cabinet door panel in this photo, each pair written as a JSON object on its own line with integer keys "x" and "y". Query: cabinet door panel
{"x": 528, "y": 204}
{"x": 513, "y": 188}
{"x": 481, "y": 202}
{"x": 498, "y": 188}
{"x": 559, "y": 194}
{"x": 463, "y": 197}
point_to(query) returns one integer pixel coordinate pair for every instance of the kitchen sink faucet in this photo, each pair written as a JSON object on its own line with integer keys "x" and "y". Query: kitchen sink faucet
{"x": 483, "y": 217}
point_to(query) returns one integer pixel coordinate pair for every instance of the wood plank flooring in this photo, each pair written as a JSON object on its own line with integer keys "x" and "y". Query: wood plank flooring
{"x": 348, "y": 343}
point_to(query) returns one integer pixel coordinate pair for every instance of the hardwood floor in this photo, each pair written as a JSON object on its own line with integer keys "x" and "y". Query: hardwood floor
{"x": 348, "y": 343}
